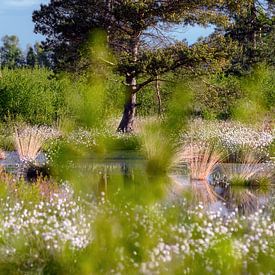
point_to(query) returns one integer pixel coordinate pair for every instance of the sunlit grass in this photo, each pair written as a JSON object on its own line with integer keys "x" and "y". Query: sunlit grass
{"x": 157, "y": 148}
{"x": 2, "y": 154}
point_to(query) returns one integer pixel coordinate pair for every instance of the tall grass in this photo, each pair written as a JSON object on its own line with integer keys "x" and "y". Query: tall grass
{"x": 201, "y": 158}
{"x": 30, "y": 139}
{"x": 248, "y": 170}
{"x": 157, "y": 149}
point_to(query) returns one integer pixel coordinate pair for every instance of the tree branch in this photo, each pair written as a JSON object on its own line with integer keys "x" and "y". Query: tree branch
{"x": 146, "y": 82}
{"x": 150, "y": 80}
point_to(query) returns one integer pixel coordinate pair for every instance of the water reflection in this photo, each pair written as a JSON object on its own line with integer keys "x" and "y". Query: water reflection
{"x": 246, "y": 199}
{"x": 214, "y": 197}
{"x": 203, "y": 192}
{"x": 195, "y": 190}
{"x": 224, "y": 198}
{"x": 108, "y": 175}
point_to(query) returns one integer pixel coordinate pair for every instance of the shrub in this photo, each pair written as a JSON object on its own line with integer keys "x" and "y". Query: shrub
{"x": 32, "y": 95}
{"x": 215, "y": 96}
{"x": 259, "y": 97}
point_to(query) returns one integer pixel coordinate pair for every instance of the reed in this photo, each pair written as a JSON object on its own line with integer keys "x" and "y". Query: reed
{"x": 30, "y": 139}
{"x": 201, "y": 158}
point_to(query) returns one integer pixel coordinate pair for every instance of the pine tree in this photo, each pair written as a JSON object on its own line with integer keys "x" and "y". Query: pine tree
{"x": 31, "y": 59}
{"x": 131, "y": 27}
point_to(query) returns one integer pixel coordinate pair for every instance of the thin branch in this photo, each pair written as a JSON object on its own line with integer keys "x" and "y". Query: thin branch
{"x": 106, "y": 61}
{"x": 158, "y": 96}
{"x": 150, "y": 80}
{"x": 146, "y": 82}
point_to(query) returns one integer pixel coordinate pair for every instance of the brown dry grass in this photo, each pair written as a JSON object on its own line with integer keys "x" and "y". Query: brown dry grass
{"x": 29, "y": 140}
{"x": 201, "y": 159}
{"x": 28, "y": 143}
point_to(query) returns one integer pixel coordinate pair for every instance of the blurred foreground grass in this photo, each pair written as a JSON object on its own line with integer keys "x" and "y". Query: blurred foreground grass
{"x": 133, "y": 227}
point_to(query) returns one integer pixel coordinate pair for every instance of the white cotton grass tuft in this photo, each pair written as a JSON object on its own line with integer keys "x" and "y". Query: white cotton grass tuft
{"x": 232, "y": 136}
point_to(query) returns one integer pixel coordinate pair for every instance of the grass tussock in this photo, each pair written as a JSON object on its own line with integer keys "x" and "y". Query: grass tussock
{"x": 201, "y": 158}
{"x": 249, "y": 170}
{"x": 30, "y": 139}
{"x": 157, "y": 149}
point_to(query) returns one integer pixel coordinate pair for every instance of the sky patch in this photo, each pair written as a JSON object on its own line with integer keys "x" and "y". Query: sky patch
{"x": 21, "y": 3}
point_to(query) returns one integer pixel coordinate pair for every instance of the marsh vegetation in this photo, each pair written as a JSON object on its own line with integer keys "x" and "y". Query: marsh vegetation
{"x": 182, "y": 183}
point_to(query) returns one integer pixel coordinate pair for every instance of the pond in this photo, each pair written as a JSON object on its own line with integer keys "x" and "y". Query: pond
{"x": 131, "y": 167}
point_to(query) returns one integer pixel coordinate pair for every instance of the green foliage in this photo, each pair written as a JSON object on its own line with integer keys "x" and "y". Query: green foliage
{"x": 33, "y": 96}
{"x": 272, "y": 149}
{"x": 239, "y": 181}
{"x": 10, "y": 53}
{"x": 31, "y": 58}
{"x": 6, "y": 138}
{"x": 148, "y": 102}
{"x": 223, "y": 96}
{"x": 124, "y": 22}
{"x": 179, "y": 108}
{"x": 253, "y": 30}
{"x": 6, "y": 143}
{"x": 129, "y": 26}
{"x": 157, "y": 149}
{"x": 42, "y": 57}
{"x": 215, "y": 96}
{"x": 259, "y": 96}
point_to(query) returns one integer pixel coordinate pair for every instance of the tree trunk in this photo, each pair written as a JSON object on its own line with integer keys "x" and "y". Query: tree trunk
{"x": 158, "y": 96}
{"x": 127, "y": 122}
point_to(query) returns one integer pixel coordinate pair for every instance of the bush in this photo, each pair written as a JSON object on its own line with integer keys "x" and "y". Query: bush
{"x": 214, "y": 97}
{"x": 31, "y": 95}
{"x": 227, "y": 96}
{"x": 259, "y": 96}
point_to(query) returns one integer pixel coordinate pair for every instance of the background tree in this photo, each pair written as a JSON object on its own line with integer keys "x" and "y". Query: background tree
{"x": 11, "y": 54}
{"x": 132, "y": 28}
{"x": 253, "y": 28}
{"x": 43, "y": 57}
{"x": 31, "y": 59}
